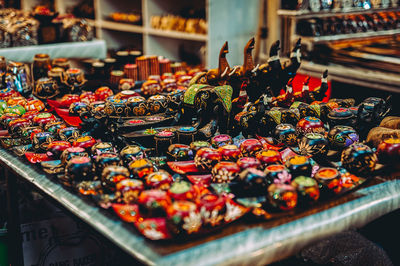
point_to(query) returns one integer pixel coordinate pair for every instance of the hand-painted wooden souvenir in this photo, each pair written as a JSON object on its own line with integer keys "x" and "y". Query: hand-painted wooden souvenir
{"x": 126, "y": 94}
{"x": 157, "y": 104}
{"x": 41, "y": 140}
{"x": 184, "y": 81}
{"x": 282, "y": 196}
{"x": 28, "y": 132}
{"x": 359, "y": 159}
{"x": 151, "y": 87}
{"x": 88, "y": 97}
{"x": 69, "y": 134}
{"x": 129, "y": 189}
{"x": 277, "y": 174}
{"x": 126, "y": 84}
{"x": 346, "y": 103}
{"x": 74, "y": 78}
{"x": 40, "y": 66}
{"x": 285, "y": 134}
{"x": 329, "y": 179}
{"x": 182, "y": 190}
{"x": 68, "y": 99}
{"x": 183, "y": 217}
{"x": 206, "y": 158}
{"x": 29, "y": 115}
{"x": 299, "y": 165}
{"x": 15, "y": 126}
{"x": 131, "y": 153}
{"x": 85, "y": 142}
{"x": 137, "y": 105}
{"x": 159, "y": 180}
{"x": 7, "y": 118}
{"x": 230, "y": 152}
{"x": 179, "y": 152}
{"x": 106, "y": 159}
{"x": 341, "y": 137}
{"x": 251, "y": 182}
{"x": 103, "y": 93}
{"x": 267, "y": 157}
{"x": 56, "y": 74}
{"x": 15, "y": 109}
{"x": 248, "y": 162}
{"x": 56, "y": 148}
{"x": 46, "y": 88}
{"x": 102, "y": 147}
{"x": 313, "y": 144}
{"x": 153, "y": 203}
{"x": 310, "y": 125}
{"x": 17, "y": 101}
{"x": 41, "y": 119}
{"x": 341, "y": 116}
{"x": 34, "y": 105}
{"x": 212, "y": 209}
{"x": 224, "y": 172}
{"x": 112, "y": 175}
{"x": 250, "y": 147}
{"x": 69, "y": 153}
{"x": 197, "y": 145}
{"x": 163, "y": 140}
{"x": 115, "y": 107}
{"x": 221, "y": 140}
{"x": 78, "y": 169}
{"x": 169, "y": 85}
{"x": 141, "y": 167}
{"x": 388, "y": 151}
{"x": 186, "y": 135}
{"x": 307, "y": 189}
{"x": 76, "y": 108}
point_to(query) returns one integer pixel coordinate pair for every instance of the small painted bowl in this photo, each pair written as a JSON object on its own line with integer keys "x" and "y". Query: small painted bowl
{"x": 140, "y": 168}
{"x": 267, "y": 157}
{"x": 212, "y": 209}
{"x": 250, "y": 147}
{"x": 341, "y": 137}
{"x": 129, "y": 189}
{"x": 68, "y": 99}
{"x": 277, "y": 174}
{"x": 206, "y": 158}
{"x": 341, "y": 116}
{"x": 41, "y": 140}
{"x": 54, "y": 127}
{"x": 15, "y": 126}
{"x": 178, "y": 213}
{"x": 126, "y": 84}
{"x": 106, "y": 159}
{"x": 389, "y": 151}
{"x": 137, "y": 105}
{"x": 102, "y": 147}
{"x": 224, "y": 172}
{"x": 112, "y": 175}
{"x": 230, "y": 152}
{"x": 131, "y": 153}
{"x": 153, "y": 203}
{"x": 285, "y": 134}
{"x": 252, "y": 181}
{"x": 46, "y": 88}
{"x": 313, "y": 144}
{"x": 41, "y": 119}
{"x": 186, "y": 135}
{"x": 151, "y": 87}
{"x": 103, "y": 93}
{"x": 221, "y": 140}
{"x": 282, "y": 196}
{"x": 179, "y": 152}
{"x": 69, "y": 153}
{"x": 299, "y": 165}
{"x": 163, "y": 140}
{"x": 115, "y": 107}
{"x": 310, "y": 124}
{"x": 56, "y": 148}
{"x": 359, "y": 159}
{"x": 79, "y": 169}
{"x": 125, "y": 95}
{"x": 159, "y": 180}
{"x": 182, "y": 190}
{"x": 307, "y": 190}
{"x": 69, "y": 134}
{"x": 85, "y": 142}
{"x": 88, "y": 97}
{"x": 169, "y": 85}
{"x": 34, "y": 105}
{"x": 15, "y": 109}
{"x": 76, "y": 108}
{"x": 197, "y": 145}
{"x": 157, "y": 104}
{"x": 329, "y": 179}
{"x": 248, "y": 162}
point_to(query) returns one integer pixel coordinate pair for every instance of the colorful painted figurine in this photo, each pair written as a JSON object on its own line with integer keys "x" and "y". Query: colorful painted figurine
{"x": 359, "y": 159}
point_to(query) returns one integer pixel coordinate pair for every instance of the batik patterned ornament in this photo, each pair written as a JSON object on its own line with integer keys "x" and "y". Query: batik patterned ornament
{"x": 310, "y": 124}
{"x": 307, "y": 189}
{"x": 159, "y": 180}
{"x": 230, "y": 152}
{"x": 313, "y": 144}
{"x": 225, "y": 172}
{"x": 183, "y": 217}
{"x": 74, "y": 78}
{"x": 285, "y": 134}
{"x": 206, "y": 158}
{"x": 359, "y": 159}
{"x": 157, "y": 104}
{"x": 283, "y": 197}
{"x": 129, "y": 189}
{"x": 341, "y": 137}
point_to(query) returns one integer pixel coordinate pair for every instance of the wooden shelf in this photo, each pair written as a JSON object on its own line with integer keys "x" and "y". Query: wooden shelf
{"x": 178, "y": 35}
{"x": 302, "y": 14}
{"x": 120, "y": 26}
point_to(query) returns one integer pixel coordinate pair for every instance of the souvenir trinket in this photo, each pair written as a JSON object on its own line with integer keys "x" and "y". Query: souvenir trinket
{"x": 153, "y": 203}
{"x": 7, "y": 118}
{"x": 183, "y": 217}
{"x": 186, "y": 135}
{"x": 69, "y": 99}
{"x": 197, "y": 145}
{"x": 41, "y": 65}
{"x": 41, "y": 140}
{"x": 102, "y": 147}
{"x": 341, "y": 116}
{"x": 248, "y": 162}
{"x": 29, "y": 115}
{"x": 224, "y": 172}
{"x": 285, "y": 134}
{"x": 157, "y": 104}
{"x": 76, "y": 108}
{"x": 299, "y": 165}
{"x": 85, "y": 142}
{"x": 251, "y": 182}
{"x": 131, "y": 153}
{"x": 46, "y": 88}
{"x": 15, "y": 126}
{"x": 69, "y": 153}
{"x": 212, "y": 209}
{"x": 69, "y": 134}
{"x": 79, "y": 168}
{"x": 250, "y": 147}
{"x": 61, "y": 63}
{"x": 282, "y": 196}
{"x": 14, "y": 109}
{"x": 20, "y": 77}
{"x": 277, "y": 174}
{"x": 115, "y": 107}
{"x": 163, "y": 141}
{"x": 159, "y": 180}
{"x": 313, "y": 144}
{"x": 126, "y": 84}
{"x": 329, "y": 179}
{"x": 169, "y": 85}
{"x": 54, "y": 127}
{"x": 182, "y": 190}
{"x": 57, "y": 74}
{"x": 103, "y": 93}
{"x": 267, "y": 157}
{"x": 307, "y": 189}
{"x": 141, "y": 167}
{"x": 179, "y": 152}
{"x": 28, "y": 132}
{"x": 229, "y": 152}
{"x": 17, "y": 101}
{"x": 129, "y": 189}
{"x": 310, "y": 125}
{"x": 88, "y": 97}
{"x": 388, "y": 151}
{"x": 8, "y": 93}
{"x": 206, "y": 158}
{"x": 112, "y": 175}
{"x": 34, "y": 105}
{"x": 56, "y": 148}
{"x": 221, "y": 140}
{"x": 74, "y": 78}
{"x": 151, "y": 87}
{"x": 359, "y": 159}
{"x": 341, "y": 137}
{"x": 106, "y": 159}
{"x": 137, "y": 105}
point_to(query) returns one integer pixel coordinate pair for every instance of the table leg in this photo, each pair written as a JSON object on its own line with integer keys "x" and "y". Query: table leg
{"x": 13, "y": 224}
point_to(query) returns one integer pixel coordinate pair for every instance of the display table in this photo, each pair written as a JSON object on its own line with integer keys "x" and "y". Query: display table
{"x": 243, "y": 242}
{"x": 91, "y": 49}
